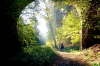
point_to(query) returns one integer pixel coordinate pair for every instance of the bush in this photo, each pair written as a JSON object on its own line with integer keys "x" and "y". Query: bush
{"x": 38, "y": 56}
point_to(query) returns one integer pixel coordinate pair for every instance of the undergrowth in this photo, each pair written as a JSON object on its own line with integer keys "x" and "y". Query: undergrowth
{"x": 37, "y": 56}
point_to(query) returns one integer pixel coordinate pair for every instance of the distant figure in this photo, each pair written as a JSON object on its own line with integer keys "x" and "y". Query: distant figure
{"x": 62, "y": 46}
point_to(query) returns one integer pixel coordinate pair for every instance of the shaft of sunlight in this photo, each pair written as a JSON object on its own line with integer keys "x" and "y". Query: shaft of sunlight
{"x": 40, "y": 10}
{"x": 42, "y": 27}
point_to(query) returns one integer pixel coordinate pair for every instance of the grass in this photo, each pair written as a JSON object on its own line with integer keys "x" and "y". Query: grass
{"x": 36, "y": 56}
{"x": 96, "y": 64}
{"x": 45, "y": 56}
{"x": 71, "y": 49}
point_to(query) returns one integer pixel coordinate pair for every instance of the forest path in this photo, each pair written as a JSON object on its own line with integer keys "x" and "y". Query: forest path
{"x": 69, "y": 59}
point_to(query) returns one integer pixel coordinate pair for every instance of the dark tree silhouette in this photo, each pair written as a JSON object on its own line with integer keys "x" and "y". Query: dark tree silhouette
{"x": 90, "y": 31}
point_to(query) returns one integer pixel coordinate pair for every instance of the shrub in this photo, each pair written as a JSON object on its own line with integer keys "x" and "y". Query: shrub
{"x": 38, "y": 56}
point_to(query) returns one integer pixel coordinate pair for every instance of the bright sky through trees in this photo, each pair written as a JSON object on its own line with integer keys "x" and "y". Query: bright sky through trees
{"x": 39, "y": 13}
{"x": 52, "y": 22}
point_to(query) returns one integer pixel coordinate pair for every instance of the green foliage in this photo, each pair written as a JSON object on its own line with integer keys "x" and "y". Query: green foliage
{"x": 71, "y": 27}
{"x": 49, "y": 43}
{"x": 75, "y": 38}
{"x": 95, "y": 64}
{"x": 27, "y": 34}
{"x": 71, "y": 49}
{"x": 38, "y": 56}
{"x": 33, "y": 53}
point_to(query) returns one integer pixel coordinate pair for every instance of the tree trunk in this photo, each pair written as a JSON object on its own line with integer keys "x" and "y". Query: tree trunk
{"x": 89, "y": 32}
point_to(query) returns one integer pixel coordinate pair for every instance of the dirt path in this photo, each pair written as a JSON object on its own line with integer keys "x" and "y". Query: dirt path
{"x": 69, "y": 59}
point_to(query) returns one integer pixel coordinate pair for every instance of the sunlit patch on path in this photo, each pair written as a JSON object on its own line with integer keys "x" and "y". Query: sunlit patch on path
{"x": 69, "y": 59}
